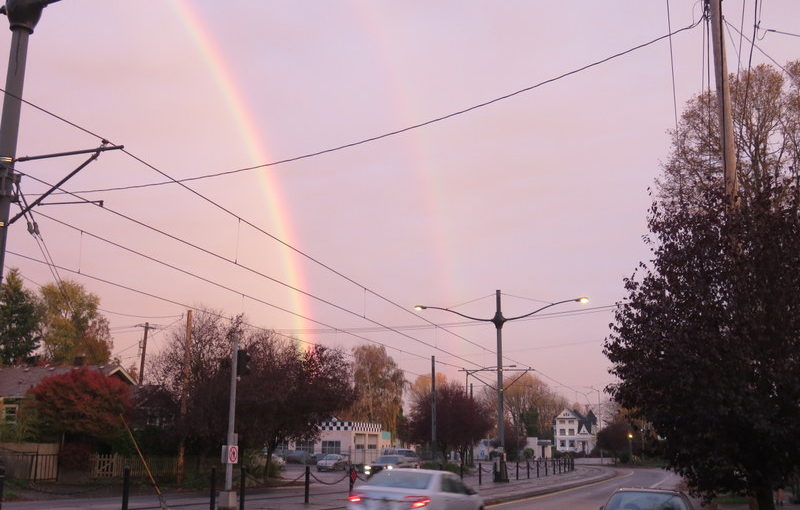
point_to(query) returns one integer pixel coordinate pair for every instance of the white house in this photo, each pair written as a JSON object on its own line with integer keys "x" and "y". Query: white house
{"x": 361, "y": 441}
{"x": 574, "y": 432}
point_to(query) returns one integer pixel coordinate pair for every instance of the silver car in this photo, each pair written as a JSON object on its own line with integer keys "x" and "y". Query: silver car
{"x": 647, "y": 499}
{"x": 395, "y": 489}
{"x": 388, "y": 462}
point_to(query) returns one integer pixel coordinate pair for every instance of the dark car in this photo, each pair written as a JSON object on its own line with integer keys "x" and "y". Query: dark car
{"x": 647, "y": 499}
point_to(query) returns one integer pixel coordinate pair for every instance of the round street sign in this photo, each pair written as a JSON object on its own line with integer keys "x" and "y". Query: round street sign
{"x": 233, "y": 454}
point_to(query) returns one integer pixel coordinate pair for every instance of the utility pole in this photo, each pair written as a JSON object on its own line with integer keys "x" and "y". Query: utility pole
{"x": 23, "y": 15}
{"x": 227, "y": 497}
{"x": 187, "y": 358}
{"x": 728, "y": 142}
{"x": 144, "y": 350}
{"x": 434, "y": 450}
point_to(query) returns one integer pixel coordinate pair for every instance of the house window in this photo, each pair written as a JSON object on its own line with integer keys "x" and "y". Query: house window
{"x": 10, "y": 413}
{"x": 305, "y": 446}
{"x": 332, "y": 447}
{"x": 562, "y": 443}
{"x": 562, "y": 432}
{"x": 372, "y": 446}
{"x": 571, "y": 432}
{"x": 571, "y": 443}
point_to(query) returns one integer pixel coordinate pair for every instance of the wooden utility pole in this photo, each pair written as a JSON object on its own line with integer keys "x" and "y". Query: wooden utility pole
{"x": 181, "y": 467}
{"x": 724, "y": 100}
{"x": 144, "y": 351}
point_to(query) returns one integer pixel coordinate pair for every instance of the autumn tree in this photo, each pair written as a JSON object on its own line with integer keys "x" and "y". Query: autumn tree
{"x": 705, "y": 344}
{"x": 72, "y": 325}
{"x": 461, "y": 421}
{"x": 83, "y": 402}
{"x": 379, "y": 384}
{"x": 288, "y": 392}
{"x": 20, "y": 313}
{"x": 421, "y": 387}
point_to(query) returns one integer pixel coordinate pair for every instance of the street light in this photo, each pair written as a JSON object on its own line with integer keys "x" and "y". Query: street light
{"x": 498, "y": 320}
{"x": 630, "y": 447}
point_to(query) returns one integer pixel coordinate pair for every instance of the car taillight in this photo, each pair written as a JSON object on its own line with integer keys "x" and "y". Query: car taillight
{"x": 355, "y": 498}
{"x": 417, "y": 501}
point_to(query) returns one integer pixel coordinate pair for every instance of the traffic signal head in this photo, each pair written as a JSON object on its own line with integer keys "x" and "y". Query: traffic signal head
{"x": 242, "y": 362}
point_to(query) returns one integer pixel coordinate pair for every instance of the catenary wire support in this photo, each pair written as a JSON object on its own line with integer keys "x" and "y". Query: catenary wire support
{"x": 96, "y": 153}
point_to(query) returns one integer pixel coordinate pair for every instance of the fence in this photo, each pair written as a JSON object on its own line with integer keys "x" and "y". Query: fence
{"x": 32, "y": 466}
{"x": 113, "y": 465}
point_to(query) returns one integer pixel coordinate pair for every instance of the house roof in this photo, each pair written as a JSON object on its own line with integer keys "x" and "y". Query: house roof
{"x": 16, "y": 381}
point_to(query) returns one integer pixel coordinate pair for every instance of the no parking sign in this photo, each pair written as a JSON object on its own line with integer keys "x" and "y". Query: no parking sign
{"x": 230, "y": 454}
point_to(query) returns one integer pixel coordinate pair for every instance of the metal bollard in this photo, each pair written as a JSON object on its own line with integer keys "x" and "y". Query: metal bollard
{"x": 528, "y": 468}
{"x": 126, "y": 486}
{"x": 2, "y": 483}
{"x": 480, "y": 470}
{"x": 537, "y": 468}
{"x": 242, "y": 485}
{"x": 212, "y": 499}
{"x": 545, "y": 467}
{"x": 308, "y": 482}
{"x": 517, "y": 470}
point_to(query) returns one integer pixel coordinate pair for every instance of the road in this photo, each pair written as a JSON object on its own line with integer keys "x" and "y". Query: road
{"x": 591, "y": 497}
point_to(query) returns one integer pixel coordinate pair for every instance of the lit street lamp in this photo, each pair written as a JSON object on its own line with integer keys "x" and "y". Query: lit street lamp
{"x": 630, "y": 447}
{"x": 498, "y": 320}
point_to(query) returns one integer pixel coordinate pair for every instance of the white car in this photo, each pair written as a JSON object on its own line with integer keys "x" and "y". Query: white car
{"x": 414, "y": 488}
{"x": 389, "y": 462}
{"x": 332, "y": 462}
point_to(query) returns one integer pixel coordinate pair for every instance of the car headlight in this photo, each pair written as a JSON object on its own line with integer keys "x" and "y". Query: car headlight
{"x": 367, "y": 469}
{"x": 389, "y": 467}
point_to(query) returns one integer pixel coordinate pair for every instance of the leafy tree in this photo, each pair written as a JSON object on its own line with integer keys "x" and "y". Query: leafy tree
{"x": 379, "y": 386}
{"x": 73, "y": 326}
{"x": 82, "y": 402}
{"x": 705, "y": 345}
{"x": 421, "y": 387}
{"x": 614, "y": 438}
{"x": 20, "y": 313}
{"x": 288, "y": 392}
{"x": 461, "y": 421}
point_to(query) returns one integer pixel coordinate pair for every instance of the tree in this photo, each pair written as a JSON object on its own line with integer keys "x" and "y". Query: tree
{"x": 706, "y": 343}
{"x": 614, "y": 438}
{"x": 461, "y": 421}
{"x": 288, "y": 392}
{"x": 379, "y": 386}
{"x": 82, "y": 402}
{"x": 73, "y": 326}
{"x": 20, "y": 313}
{"x": 421, "y": 387}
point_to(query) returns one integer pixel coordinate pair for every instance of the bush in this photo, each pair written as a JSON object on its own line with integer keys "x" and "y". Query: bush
{"x": 75, "y": 456}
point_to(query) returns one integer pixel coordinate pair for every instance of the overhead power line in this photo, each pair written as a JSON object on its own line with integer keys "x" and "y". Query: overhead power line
{"x": 191, "y": 307}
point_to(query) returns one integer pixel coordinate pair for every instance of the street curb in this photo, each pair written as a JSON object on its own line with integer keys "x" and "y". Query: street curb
{"x": 548, "y": 490}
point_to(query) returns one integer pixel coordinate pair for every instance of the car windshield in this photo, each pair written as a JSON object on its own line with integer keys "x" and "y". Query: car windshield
{"x": 630, "y": 500}
{"x": 331, "y": 457}
{"x": 387, "y": 459}
{"x": 401, "y": 479}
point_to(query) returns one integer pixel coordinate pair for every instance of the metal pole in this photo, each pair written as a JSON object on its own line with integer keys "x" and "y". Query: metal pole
{"x": 232, "y": 408}
{"x": 498, "y": 320}
{"x": 212, "y": 497}
{"x": 434, "y": 452}
{"x": 126, "y": 486}
{"x": 9, "y": 131}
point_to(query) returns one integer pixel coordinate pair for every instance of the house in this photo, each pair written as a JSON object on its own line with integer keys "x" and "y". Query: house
{"x": 16, "y": 381}
{"x": 574, "y": 432}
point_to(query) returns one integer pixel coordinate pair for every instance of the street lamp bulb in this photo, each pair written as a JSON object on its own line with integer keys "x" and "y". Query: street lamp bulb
{"x": 582, "y": 300}
{"x": 630, "y": 436}
{"x": 420, "y": 307}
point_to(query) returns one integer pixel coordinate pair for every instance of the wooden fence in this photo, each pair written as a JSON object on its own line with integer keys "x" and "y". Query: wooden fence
{"x": 112, "y": 465}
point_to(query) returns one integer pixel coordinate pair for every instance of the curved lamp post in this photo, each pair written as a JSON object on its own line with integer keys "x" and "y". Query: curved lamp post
{"x": 498, "y": 320}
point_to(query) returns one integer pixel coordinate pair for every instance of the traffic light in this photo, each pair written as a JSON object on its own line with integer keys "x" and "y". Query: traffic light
{"x": 242, "y": 362}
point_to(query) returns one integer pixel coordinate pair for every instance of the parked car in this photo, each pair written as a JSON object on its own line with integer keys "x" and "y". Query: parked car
{"x": 297, "y": 456}
{"x": 332, "y": 462}
{"x": 414, "y": 488}
{"x": 647, "y": 499}
{"x": 388, "y": 462}
{"x": 278, "y": 460}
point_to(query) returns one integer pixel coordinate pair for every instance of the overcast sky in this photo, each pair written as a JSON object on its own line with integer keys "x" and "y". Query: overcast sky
{"x": 542, "y": 195}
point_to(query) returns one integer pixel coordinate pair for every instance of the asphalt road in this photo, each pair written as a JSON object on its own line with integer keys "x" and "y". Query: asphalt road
{"x": 591, "y": 497}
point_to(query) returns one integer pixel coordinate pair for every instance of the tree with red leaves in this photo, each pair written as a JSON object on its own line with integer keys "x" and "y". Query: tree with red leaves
{"x": 83, "y": 402}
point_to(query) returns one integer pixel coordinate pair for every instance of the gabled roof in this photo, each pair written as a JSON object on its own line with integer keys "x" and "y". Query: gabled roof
{"x": 16, "y": 381}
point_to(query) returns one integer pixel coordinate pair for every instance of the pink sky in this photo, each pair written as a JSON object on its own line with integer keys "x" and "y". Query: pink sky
{"x": 543, "y": 195}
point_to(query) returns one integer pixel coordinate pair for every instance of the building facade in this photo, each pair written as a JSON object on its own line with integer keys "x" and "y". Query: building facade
{"x": 574, "y": 432}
